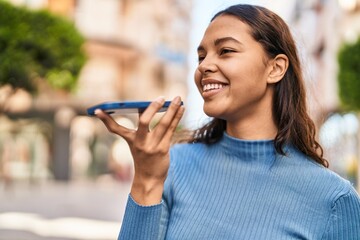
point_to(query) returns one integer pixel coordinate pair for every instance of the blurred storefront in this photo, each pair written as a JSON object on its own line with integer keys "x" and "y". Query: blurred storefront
{"x": 24, "y": 150}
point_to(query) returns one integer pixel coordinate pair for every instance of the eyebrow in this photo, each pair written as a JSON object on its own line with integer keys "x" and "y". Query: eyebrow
{"x": 225, "y": 39}
{"x": 219, "y": 41}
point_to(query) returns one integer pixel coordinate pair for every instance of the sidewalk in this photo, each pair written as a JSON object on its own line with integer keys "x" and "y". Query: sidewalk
{"x": 63, "y": 211}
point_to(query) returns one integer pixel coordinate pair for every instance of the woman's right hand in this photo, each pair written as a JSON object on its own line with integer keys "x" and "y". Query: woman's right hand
{"x": 150, "y": 149}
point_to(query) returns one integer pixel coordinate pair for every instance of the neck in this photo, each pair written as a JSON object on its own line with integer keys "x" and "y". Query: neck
{"x": 258, "y": 126}
{"x": 256, "y": 122}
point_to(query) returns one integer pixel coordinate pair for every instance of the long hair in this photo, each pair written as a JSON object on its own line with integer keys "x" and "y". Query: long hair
{"x": 289, "y": 103}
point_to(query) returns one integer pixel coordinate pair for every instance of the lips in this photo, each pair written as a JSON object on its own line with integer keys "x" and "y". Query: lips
{"x": 211, "y": 87}
{"x": 210, "y": 84}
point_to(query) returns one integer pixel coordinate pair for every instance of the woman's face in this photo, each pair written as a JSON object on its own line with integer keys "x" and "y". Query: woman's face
{"x": 233, "y": 71}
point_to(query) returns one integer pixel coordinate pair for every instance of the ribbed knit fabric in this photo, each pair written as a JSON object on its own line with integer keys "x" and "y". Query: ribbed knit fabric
{"x": 237, "y": 189}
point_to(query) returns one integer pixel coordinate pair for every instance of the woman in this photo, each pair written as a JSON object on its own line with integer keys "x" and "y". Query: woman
{"x": 255, "y": 171}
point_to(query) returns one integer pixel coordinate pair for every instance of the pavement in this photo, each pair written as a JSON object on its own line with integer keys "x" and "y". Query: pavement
{"x": 75, "y": 210}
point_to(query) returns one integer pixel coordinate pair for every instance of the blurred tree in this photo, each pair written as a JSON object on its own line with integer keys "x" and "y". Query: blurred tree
{"x": 349, "y": 85}
{"x": 37, "y": 46}
{"x": 349, "y": 75}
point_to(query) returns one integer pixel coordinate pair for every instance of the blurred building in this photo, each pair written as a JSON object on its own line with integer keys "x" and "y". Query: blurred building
{"x": 137, "y": 50}
{"x": 324, "y": 25}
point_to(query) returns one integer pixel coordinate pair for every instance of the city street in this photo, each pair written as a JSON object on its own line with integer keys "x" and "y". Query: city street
{"x": 62, "y": 211}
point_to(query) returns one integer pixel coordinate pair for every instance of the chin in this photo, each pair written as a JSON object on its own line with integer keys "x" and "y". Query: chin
{"x": 212, "y": 112}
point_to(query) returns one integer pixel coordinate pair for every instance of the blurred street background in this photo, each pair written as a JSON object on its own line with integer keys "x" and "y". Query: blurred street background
{"x": 62, "y": 175}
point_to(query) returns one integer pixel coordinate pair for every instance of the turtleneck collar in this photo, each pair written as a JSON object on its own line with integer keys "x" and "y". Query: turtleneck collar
{"x": 249, "y": 150}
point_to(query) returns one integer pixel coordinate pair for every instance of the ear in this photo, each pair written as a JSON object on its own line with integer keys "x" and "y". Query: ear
{"x": 278, "y": 67}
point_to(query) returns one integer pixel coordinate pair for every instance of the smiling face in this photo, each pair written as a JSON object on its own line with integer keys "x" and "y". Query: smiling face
{"x": 233, "y": 75}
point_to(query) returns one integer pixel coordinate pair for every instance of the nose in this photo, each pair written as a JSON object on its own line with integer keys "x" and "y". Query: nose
{"x": 207, "y": 66}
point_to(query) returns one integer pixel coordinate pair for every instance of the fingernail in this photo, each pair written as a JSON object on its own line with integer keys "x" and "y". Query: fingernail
{"x": 97, "y": 111}
{"x": 160, "y": 99}
{"x": 177, "y": 100}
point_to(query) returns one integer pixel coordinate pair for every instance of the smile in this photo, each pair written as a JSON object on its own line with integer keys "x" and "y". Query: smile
{"x": 212, "y": 86}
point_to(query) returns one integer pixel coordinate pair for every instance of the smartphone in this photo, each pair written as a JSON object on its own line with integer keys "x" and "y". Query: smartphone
{"x": 125, "y": 107}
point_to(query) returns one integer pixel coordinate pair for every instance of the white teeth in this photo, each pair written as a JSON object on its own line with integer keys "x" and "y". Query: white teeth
{"x": 212, "y": 86}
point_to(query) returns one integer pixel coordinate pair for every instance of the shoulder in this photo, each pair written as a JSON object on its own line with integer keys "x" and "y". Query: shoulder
{"x": 184, "y": 151}
{"x": 184, "y": 147}
{"x": 322, "y": 180}
{"x": 194, "y": 154}
{"x": 344, "y": 217}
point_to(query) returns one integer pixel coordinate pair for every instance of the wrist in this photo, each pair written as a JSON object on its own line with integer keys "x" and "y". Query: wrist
{"x": 147, "y": 192}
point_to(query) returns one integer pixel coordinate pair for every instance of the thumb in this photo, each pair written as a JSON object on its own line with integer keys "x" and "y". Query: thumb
{"x": 113, "y": 126}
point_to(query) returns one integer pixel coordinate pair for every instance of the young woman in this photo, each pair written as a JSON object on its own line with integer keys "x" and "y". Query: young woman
{"x": 255, "y": 171}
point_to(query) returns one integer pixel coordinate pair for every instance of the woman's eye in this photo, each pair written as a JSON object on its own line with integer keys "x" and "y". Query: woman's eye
{"x": 225, "y": 51}
{"x": 200, "y": 59}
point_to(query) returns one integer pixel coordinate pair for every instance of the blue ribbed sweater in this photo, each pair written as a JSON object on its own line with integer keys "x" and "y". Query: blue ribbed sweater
{"x": 239, "y": 189}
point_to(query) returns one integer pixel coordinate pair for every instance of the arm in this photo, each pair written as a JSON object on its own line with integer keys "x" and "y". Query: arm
{"x": 147, "y": 222}
{"x": 140, "y": 222}
{"x": 344, "y": 223}
{"x": 150, "y": 150}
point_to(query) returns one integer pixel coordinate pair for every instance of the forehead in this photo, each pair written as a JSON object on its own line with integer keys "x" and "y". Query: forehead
{"x": 226, "y": 26}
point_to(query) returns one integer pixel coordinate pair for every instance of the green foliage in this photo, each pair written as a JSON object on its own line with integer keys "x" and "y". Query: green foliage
{"x": 37, "y": 44}
{"x": 349, "y": 75}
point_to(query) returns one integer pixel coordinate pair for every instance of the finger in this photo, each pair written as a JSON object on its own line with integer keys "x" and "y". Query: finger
{"x": 167, "y": 119}
{"x": 172, "y": 128}
{"x": 146, "y": 117}
{"x": 112, "y": 125}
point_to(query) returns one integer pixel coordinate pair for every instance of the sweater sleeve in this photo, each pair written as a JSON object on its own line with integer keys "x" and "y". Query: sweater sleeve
{"x": 140, "y": 222}
{"x": 148, "y": 222}
{"x": 345, "y": 218}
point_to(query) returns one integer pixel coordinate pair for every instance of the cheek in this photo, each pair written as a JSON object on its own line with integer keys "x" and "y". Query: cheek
{"x": 197, "y": 79}
{"x": 250, "y": 81}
